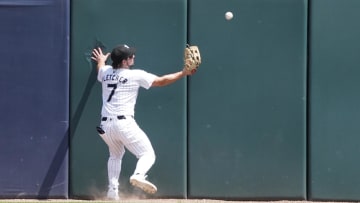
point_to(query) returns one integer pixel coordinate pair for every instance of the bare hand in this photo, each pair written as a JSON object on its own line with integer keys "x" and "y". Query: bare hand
{"x": 98, "y": 56}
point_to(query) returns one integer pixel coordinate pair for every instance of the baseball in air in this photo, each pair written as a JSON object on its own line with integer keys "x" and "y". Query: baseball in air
{"x": 229, "y": 15}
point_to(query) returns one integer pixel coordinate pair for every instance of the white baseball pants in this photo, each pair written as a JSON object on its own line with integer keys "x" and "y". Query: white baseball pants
{"x": 121, "y": 134}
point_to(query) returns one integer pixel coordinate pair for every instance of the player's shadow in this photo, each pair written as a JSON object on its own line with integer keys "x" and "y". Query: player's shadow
{"x": 63, "y": 148}
{"x": 84, "y": 98}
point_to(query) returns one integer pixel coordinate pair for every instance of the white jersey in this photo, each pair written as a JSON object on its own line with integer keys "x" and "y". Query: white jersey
{"x": 120, "y": 89}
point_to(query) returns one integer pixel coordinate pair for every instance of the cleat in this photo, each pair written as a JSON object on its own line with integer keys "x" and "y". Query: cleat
{"x": 140, "y": 182}
{"x": 112, "y": 194}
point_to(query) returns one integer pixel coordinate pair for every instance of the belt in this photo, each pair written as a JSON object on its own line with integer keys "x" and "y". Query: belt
{"x": 118, "y": 117}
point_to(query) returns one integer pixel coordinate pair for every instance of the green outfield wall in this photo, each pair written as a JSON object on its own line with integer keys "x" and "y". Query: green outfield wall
{"x": 247, "y": 106}
{"x": 158, "y": 30}
{"x": 270, "y": 115}
{"x": 334, "y": 100}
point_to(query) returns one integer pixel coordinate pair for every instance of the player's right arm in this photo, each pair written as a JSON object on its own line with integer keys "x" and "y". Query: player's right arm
{"x": 99, "y": 57}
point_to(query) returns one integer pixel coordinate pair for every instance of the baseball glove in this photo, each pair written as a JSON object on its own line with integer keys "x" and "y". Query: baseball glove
{"x": 192, "y": 58}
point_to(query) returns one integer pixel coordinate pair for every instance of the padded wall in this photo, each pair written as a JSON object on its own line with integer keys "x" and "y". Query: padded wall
{"x": 34, "y": 103}
{"x": 247, "y": 127}
{"x": 157, "y": 29}
{"x": 334, "y": 100}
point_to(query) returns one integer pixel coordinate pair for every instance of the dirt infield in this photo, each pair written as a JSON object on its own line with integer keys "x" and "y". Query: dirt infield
{"x": 156, "y": 201}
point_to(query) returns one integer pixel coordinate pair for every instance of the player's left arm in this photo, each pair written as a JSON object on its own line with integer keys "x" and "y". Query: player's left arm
{"x": 99, "y": 57}
{"x": 170, "y": 78}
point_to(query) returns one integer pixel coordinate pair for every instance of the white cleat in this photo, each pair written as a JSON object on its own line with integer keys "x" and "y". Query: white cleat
{"x": 140, "y": 182}
{"x": 112, "y": 194}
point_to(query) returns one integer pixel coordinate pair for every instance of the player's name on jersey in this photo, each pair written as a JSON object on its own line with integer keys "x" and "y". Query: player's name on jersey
{"x": 114, "y": 77}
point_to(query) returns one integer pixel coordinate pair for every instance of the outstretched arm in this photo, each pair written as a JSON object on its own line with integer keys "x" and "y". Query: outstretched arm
{"x": 99, "y": 57}
{"x": 171, "y": 78}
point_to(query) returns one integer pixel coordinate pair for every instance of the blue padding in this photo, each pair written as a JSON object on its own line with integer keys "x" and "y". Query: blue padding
{"x": 25, "y": 2}
{"x": 34, "y": 103}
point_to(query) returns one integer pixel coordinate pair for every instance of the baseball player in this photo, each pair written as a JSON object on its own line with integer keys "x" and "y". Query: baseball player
{"x": 118, "y": 128}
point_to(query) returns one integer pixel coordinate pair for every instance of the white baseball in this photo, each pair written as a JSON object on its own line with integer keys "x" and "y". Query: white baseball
{"x": 229, "y": 15}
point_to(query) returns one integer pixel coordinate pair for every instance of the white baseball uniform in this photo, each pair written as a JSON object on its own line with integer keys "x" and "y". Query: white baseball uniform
{"x": 119, "y": 93}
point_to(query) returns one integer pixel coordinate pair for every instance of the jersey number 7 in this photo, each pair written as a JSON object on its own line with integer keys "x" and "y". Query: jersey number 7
{"x": 114, "y": 86}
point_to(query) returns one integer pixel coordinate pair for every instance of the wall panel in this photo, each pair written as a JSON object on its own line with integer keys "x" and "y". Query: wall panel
{"x": 247, "y": 107}
{"x": 157, "y": 29}
{"x": 334, "y": 99}
{"x": 34, "y": 102}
